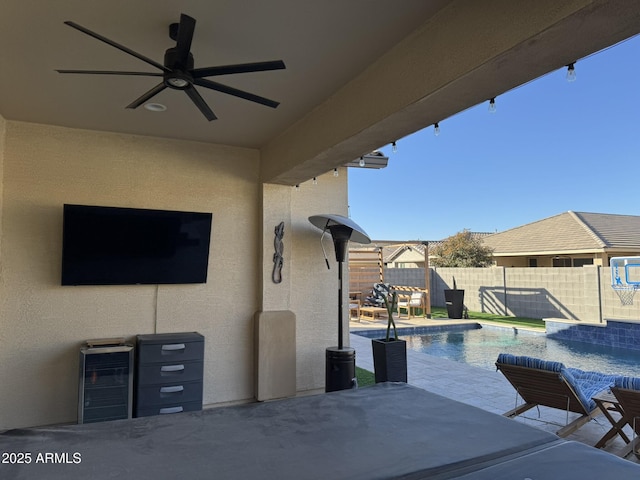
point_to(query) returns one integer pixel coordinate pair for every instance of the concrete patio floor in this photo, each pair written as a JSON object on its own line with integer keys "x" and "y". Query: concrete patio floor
{"x": 476, "y": 386}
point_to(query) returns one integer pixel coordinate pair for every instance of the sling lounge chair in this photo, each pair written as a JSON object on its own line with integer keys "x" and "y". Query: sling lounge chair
{"x": 627, "y": 392}
{"x": 551, "y": 384}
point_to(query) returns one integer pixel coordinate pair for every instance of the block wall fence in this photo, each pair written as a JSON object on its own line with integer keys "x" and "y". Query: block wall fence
{"x": 574, "y": 293}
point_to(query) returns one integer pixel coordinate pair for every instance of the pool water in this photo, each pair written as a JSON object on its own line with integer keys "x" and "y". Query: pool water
{"x": 480, "y": 347}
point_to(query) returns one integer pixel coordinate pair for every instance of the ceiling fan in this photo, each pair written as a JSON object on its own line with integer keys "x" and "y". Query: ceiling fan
{"x": 178, "y": 71}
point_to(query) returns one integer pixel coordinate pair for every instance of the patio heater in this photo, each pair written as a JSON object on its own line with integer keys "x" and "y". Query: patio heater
{"x": 340, "y": 360}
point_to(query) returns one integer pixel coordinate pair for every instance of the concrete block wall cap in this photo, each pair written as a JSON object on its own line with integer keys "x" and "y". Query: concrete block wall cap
{"x": 575, "y": 322}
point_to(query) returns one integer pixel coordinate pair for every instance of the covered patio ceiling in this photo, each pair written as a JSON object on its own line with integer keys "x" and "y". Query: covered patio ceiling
{"x": 360, "y": 74}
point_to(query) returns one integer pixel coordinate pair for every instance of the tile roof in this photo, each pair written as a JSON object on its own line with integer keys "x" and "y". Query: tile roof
{"x": 392, "y": 252}
{"x": 569, "y": 231}
{"x": 392, "y": 249}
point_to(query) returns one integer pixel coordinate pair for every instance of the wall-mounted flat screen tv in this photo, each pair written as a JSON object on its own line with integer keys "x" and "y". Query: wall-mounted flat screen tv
{"x": 127, "y": 246}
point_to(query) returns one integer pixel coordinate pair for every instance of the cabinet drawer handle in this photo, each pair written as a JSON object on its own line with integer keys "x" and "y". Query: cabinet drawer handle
{"x": 172, "y": 347}
{"x": 173, "y": 389}
{"x": 164, "y": 411}
{"x": 172, "y": 368}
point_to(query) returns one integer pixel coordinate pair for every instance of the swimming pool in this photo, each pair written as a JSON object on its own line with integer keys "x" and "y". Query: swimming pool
{"x": 480, "y": 346}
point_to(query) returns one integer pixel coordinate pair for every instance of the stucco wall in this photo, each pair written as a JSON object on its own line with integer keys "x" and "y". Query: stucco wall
{"x": 308, "y": 288}
{"x": 318, "y": 327}
{"x": 43, "y": 324}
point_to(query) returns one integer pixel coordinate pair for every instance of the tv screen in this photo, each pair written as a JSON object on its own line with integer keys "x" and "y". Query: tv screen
{"x": 126, "y": 246}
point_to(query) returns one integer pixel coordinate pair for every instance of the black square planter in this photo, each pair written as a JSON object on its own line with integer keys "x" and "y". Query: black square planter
{"x": 389, "y": 360}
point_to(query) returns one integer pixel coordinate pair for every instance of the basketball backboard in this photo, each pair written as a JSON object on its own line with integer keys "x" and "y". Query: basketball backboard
{"x": 625, "y": 277}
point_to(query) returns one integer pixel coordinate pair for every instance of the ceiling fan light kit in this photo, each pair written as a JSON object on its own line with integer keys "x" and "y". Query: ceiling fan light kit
{"x": 155, "y": 107}
{"x": 178, "y": 72}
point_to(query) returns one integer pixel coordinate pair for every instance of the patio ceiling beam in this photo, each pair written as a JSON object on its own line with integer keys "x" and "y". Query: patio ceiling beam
{"x": 468, "y": 52}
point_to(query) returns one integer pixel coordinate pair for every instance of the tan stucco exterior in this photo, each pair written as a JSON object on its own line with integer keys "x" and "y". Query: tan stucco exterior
{"x": 562, "y": 259}
{"x": 43, "y": 323}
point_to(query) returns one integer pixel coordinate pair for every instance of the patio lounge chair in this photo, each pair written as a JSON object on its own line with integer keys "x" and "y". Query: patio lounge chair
{"x": 411, "y": 303}
{"x": 373, "y": 305}
{"x": 354, "y": 308}
{"x": 627, "y": 392}
{"x": 551, "y": 384}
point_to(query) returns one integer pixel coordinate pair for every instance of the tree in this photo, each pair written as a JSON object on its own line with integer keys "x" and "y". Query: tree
{"x": 462, "y": 250}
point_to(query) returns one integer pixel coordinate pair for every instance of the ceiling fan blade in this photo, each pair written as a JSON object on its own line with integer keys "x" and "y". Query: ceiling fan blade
{"x": 147, "y": 96}
{"x": 117, "y": 45}
{"x": 185, "y": 36}
{"x": 109, "y": 72}
{"x": 239, "y": 68}
{"x": 200, "y": 103}
{"x": 235, "y": 92}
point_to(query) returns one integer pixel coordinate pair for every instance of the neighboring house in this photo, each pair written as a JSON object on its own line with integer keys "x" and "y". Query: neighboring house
{"x": 570, "y": 239}
{"x": 395, "y": 253}
{"x": 410, "y": 254}
{"x": 404, "y": 255}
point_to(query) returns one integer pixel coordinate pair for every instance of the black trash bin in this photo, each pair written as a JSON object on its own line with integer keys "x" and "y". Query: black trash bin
{"x": 340, "y": 369}
{"x": 455, "y": 302}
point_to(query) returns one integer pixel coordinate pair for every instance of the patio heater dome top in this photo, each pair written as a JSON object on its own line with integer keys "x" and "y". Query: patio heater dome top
{"x": 327, "y": 220}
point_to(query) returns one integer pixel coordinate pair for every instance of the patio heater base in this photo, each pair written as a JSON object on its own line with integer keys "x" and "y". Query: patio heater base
{"x": 340, "y": 369}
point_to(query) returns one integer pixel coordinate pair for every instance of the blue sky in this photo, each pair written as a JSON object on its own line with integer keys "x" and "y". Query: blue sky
{"x": 551, "y": 146}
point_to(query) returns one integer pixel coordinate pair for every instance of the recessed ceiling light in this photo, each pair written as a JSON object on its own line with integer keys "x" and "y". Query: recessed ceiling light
{"x": 155, "y": 107}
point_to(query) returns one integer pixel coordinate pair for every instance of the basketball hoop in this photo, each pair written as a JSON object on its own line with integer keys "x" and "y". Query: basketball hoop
{"x": 625, "y": 293}
{"x": 624, "y": 277}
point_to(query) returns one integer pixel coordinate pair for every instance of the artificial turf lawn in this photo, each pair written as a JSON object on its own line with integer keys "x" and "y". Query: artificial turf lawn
{"x": 441, "y": 312}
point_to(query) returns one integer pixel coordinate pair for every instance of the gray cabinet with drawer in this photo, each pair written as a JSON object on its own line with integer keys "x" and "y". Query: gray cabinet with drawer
{"x": 169, "y": 370}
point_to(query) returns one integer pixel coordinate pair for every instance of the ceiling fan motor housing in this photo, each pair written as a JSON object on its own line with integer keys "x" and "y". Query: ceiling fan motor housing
{"x": 179, "y": 77}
